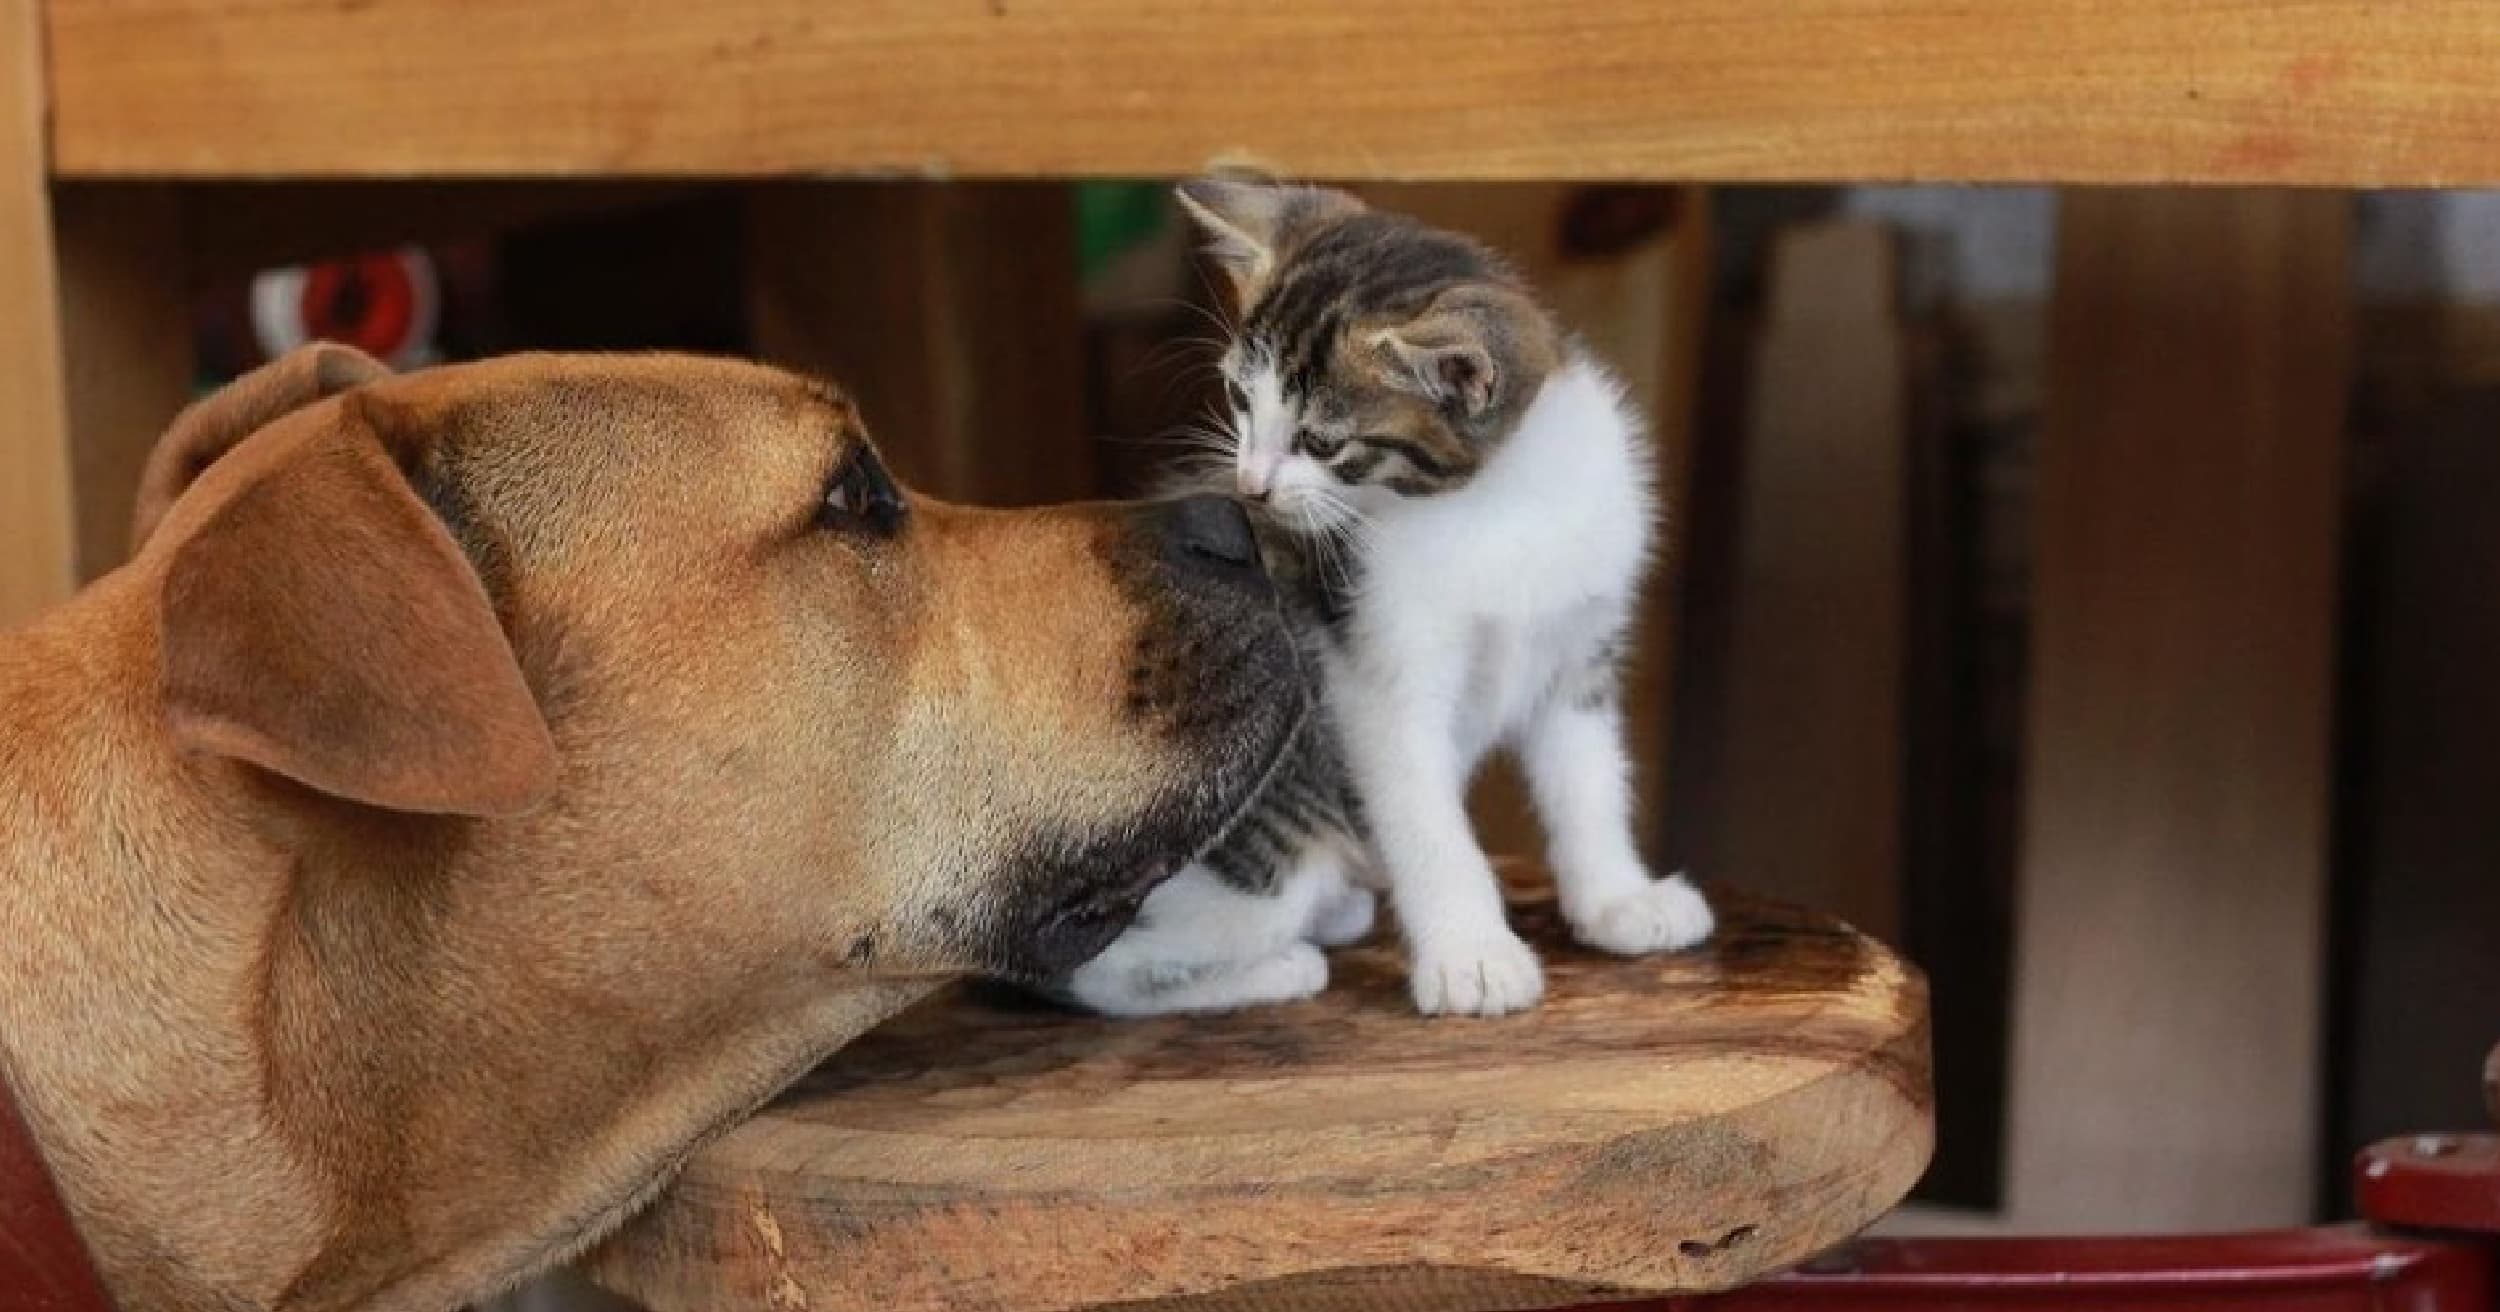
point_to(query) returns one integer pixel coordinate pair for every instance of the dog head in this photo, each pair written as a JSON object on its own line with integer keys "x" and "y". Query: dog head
{"x": 666, "y": 628}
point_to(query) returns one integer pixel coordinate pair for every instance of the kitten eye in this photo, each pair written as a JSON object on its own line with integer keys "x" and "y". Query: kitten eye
{"x": 860, "y": 498}
{"x": 1235, "y": 397}
{"x": 1315, "y": 446}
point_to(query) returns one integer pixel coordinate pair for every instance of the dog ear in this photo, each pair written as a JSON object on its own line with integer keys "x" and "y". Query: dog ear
{"x": 320, "y": 623}
{"x": 213, "y": 424}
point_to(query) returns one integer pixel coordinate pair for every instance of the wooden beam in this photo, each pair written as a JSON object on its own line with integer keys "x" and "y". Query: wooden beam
{"x": 2169, "y": 950}
{"x": 125, "y": 347}
{"x": 949, "y": 312}
{"x": 1811, "y": 794}
{"x": 2331, "y": 91}
{"x": 37, "y": 530}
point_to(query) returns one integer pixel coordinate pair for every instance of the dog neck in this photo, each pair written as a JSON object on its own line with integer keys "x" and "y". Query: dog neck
{"x": 347, "y": 1059}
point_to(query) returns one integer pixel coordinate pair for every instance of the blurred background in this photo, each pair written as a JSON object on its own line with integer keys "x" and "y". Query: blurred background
{"x": 2092, "y": 593}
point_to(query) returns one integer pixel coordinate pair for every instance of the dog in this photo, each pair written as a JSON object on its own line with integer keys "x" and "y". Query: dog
{"x": 485, "y": 784}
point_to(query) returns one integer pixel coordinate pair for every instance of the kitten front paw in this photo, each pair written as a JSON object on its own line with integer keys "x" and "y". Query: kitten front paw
{"x": 1656, "y": 917}
{"x": 1485, "y": 974}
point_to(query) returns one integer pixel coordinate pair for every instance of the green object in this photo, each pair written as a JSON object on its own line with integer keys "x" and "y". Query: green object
{"x": 1113, "y": 218}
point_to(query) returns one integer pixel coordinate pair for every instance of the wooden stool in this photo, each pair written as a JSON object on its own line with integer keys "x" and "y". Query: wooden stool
{"x": 1678, "y": 1123}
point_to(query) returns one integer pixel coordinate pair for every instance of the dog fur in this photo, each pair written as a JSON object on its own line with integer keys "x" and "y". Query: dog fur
{"x": 485, "y": 784}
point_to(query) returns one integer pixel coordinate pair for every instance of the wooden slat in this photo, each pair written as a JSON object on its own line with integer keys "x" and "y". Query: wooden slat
{"x": 37, "y": 534}
{"x": 125, "y": 347}
{"x": 2326, "y": 91}
{"x": 1813, "y": 753}
{"x": 2426, "y": 905}
{"x": 950, "y": 313}
{"x": 2169, "y": 953}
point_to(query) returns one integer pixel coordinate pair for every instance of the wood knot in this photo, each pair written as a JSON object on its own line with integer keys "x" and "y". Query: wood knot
{"x": 1698, "y": 1248}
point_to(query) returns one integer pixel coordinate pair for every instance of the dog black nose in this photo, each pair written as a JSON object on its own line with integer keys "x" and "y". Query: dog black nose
{"x": 1211, "y": 535}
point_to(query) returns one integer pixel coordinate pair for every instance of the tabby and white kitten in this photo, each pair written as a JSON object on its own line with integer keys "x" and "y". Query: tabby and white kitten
{"x": 1465, "y": 499}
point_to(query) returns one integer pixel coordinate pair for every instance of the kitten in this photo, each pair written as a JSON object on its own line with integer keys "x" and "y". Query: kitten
{"x": 1465, "y": 504}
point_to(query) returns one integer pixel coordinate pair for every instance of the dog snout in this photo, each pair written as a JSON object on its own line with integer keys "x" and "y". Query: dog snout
{"x": 1210, "y": 536}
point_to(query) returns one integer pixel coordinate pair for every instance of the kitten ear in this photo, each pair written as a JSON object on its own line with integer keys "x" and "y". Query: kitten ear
{"x": 1247, "y": 222}
{"x": 1445, "y": 358}
{"x": 1241, "y": 221}
{"x": 1467, "y": 347}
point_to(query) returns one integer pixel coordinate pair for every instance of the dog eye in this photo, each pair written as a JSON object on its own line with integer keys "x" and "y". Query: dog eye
{"x": 861, "y": 499}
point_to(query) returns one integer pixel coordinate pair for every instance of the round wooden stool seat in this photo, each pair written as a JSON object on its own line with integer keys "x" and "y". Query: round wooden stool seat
{"x": 1677, "y": 1123}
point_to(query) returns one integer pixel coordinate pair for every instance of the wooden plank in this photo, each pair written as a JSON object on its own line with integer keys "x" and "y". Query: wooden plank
{"x": 2329, "y": 91}
{"x": 125, "y": 346}
{"x": 1628, "y": 269}
{"x": 1811, "y": 794}
{"x": 2423, "y": 767}
{"x": 37, "y": 529}
{"x": 950, "y": 313}
{"x": 1977, "y": 372}
{"x": 2169, "y": 943}
{"x": 1663, "y": 1124}
{"x": 1674, "y": 411}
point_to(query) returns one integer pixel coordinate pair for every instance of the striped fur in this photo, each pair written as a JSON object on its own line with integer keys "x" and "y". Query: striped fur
{"x": 1350, "y": 321}
{"x": 1457, "y": 509}
{"x": 1392, "y": 356}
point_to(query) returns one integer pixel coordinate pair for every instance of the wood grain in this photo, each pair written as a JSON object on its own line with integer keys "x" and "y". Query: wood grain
{"x": 2170, "y": 953}
{"x": 2328, "y": 91}
{"x": 1811, "y": 797}
{"x": 37, "y": 528}
{"x": 949, "y": 312}
{"x": 1677, "y": 1123}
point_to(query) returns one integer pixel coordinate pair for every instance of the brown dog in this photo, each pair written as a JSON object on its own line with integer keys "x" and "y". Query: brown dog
{"x": 487, "y": 783}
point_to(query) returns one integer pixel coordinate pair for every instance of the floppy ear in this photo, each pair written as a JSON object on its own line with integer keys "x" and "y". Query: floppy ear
{"x": 211, "y": 426}
{"x": 321, "y": 624}
{"x": 1247, "y": 220}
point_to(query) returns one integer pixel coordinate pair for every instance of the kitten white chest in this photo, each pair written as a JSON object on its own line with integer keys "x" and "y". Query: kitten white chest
{"x": 1524, "y": 577}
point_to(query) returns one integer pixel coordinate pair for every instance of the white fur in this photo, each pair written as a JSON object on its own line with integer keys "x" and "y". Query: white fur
{"x": 1264, "y": 431}
{"x": 1201, "y": 945}
{"x": 1484, "y": 614}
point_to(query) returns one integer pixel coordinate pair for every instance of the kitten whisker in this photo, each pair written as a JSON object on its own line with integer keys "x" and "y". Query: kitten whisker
{"x": 1215, "y": 319}
{"x": 1372, "y": 575}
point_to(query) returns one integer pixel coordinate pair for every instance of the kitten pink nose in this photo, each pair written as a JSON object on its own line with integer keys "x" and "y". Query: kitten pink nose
{"x": 1254, "y": 480}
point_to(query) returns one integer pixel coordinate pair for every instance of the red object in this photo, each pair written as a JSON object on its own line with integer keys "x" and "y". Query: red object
{"x": 2432, "y": 1182}
{"x": 43, "y": 1264}
{"x": 2330, "y": 1269}
{"x": 370, "y": 302}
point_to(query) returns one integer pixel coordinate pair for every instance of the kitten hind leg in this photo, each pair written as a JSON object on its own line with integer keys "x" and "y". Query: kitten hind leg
{"x": 1342, "y": 910}
{"x": 1345, "y": 918}
{"x": 1573, "y": 753}
{"x": 1289, "y": 974}
{"x": 1201, "y": 944}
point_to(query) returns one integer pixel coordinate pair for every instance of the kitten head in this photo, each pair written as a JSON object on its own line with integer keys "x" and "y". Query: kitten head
{"x": 1376, "y": 359}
